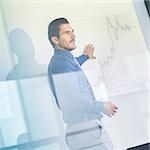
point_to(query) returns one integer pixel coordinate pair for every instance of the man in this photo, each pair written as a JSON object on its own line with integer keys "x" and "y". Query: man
{"x": 74, "y": 96}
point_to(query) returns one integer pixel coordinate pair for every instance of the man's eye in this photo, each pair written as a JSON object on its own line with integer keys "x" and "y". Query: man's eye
{"x": 69, "y": 32}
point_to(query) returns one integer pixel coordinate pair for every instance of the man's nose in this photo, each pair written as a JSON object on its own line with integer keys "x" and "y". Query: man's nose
{"x": 73, "y": 35}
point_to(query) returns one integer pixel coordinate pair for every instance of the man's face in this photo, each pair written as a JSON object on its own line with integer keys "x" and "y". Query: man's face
{"x": 66, "y": 38}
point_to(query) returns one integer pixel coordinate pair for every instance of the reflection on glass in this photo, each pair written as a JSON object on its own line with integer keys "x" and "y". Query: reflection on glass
{"x": 35, "y": 123}
{"x": 22, "y": 46}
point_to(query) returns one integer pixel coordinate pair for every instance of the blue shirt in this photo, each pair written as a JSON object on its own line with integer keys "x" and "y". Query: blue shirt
{"x": 70, "y": 86}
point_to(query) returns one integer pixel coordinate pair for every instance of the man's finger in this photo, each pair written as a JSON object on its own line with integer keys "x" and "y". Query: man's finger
{"x": 114, "y": 111}
{"x": 92, "y": 48}
{"x": 90, "y": 45}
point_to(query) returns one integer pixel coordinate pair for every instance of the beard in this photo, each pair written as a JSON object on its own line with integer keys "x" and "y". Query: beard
{"x": 70, "y": 49}
{"x": 74, "y": 46}
{"x": 69, "y": 46}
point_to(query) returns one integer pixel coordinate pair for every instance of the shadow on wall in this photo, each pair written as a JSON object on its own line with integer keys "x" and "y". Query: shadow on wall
{"x": 22, "y": 46}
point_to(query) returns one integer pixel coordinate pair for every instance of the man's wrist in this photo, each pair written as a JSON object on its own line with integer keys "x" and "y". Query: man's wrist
{"x": 86, "y": 55}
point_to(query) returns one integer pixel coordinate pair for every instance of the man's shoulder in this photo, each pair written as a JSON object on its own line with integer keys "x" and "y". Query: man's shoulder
{"x": 58, "y": 60}
{"x": 61, "y": 64}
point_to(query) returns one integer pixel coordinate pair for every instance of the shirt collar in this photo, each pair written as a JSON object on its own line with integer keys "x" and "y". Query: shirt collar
{"x": 62, "y": 52}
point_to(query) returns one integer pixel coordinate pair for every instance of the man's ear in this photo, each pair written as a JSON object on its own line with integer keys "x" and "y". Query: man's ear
{"x": 55, "y": 40}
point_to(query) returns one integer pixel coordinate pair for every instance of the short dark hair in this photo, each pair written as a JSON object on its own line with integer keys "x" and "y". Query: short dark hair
{"x": 53, "y": 28}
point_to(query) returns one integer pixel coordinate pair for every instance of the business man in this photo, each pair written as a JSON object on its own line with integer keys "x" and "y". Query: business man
{"x": 74, "y": 96}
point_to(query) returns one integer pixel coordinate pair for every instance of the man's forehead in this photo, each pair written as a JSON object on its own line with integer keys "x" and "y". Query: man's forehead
{"x": 64, "y": 27}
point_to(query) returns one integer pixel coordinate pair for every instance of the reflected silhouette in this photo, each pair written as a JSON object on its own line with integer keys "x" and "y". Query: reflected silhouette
{"x": 22, "y": 46}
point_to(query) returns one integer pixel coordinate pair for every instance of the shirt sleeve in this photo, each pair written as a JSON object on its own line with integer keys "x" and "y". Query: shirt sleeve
{"x": 81, "y": 59}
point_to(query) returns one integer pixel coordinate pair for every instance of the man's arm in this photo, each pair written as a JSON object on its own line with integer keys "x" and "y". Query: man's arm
{"x": 75, "y": 94}
{"x": 81, "y": 59}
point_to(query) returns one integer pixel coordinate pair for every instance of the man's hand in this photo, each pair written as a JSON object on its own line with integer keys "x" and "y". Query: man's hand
{"x": 89, "y": 50}
{"x": 109, "y": 109}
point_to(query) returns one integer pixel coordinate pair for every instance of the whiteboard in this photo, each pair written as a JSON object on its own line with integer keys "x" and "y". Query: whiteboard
{"x": 112, "y": 27}
{"x": 121, "y": 66}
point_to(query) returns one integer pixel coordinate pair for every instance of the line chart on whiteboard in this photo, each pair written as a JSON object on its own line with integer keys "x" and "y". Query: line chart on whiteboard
{"x": 124, "y": 65}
